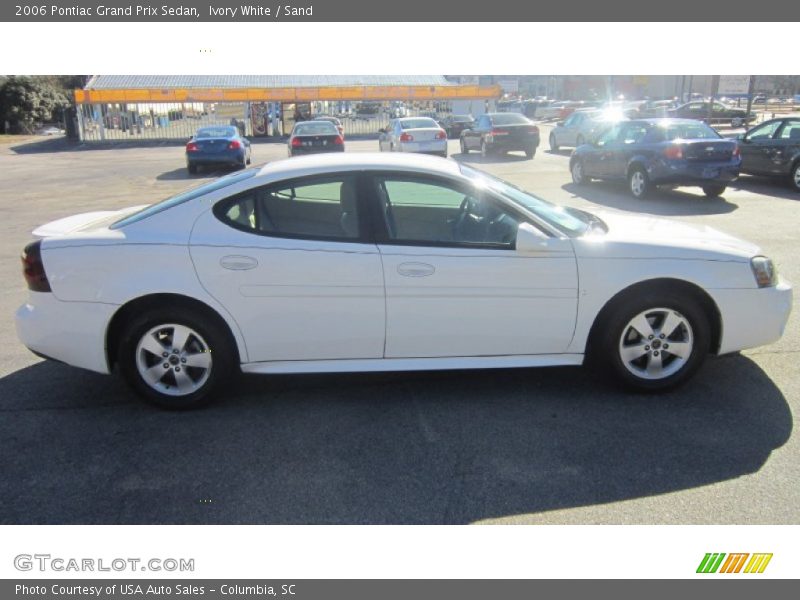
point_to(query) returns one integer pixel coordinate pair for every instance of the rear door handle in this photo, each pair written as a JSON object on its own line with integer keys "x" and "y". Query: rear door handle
{"x": 238, "y": 262}
{"x": 415, "y": 269}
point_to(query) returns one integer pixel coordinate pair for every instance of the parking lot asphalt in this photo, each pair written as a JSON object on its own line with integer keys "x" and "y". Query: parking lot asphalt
{"x": 543, "y": 446}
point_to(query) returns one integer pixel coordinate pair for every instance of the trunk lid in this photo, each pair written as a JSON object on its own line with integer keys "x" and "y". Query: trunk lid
{"x": 84, "y": 222}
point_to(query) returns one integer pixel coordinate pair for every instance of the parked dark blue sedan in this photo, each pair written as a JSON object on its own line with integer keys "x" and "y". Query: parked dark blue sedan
{"x": 652, "y": 152}
{"x": 217, "y": 145}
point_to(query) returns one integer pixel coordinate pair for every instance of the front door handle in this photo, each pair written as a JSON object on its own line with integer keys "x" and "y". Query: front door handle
{"x": 415, "y": 269}
{"x": 238, "y": 262}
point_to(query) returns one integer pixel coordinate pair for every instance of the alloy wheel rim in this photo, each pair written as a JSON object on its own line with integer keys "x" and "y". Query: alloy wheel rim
{"x": 656, "y": 343}
{"x": 797, "y": 177}
{"x": 173, "y": 359}
{"x": 577, "y": 172}
{"x": 637, "y": 183}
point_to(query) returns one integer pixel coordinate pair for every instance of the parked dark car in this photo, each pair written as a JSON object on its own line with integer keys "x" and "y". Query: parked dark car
{"x": 501, "y": 132}
{"x": 455, "y": 124}
{"x": 312, "y": 137}
{"x": 218, "y": 145}
{"x": 720, "y": 113}
{"x": 333, "y": 120}
{"x": 654, "y": 108}
{"x": 773, "y": 149}
{"x": 652, "y": 152}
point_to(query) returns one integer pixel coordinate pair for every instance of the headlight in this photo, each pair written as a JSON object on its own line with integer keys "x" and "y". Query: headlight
{"x": 764, "y": 271}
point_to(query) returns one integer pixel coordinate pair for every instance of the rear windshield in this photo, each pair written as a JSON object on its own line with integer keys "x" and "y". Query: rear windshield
{"x": 509, "y": 119}
{"x": 462, "y": 119}
{"x": 316, "y": 128}
{"x": 418, "y": 123}
{"x": 185, "y": 197}
{"x": 333, "y": 120}
{"x": 215, "y": 132}
{"x": 688, "y": 131}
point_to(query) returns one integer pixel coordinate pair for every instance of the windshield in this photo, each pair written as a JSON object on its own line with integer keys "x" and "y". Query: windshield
{"x": 215, "y": 132}
{"x": 571, "y": 222}
{"x": 184, "y": 197}
{"x": 509, "y": 119}
{"x": 418, "y": 123}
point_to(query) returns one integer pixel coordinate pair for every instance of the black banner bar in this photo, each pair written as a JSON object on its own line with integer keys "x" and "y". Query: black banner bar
{"x": 733, "y": 588}
{"x": 404, "y": 11}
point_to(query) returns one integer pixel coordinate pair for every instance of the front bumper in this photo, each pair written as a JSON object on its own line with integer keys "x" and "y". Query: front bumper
{"x": 752, "y": 318}
{"x": 70, "y": 332}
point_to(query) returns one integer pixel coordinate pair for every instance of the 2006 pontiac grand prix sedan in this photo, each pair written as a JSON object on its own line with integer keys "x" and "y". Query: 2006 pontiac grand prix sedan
{"x": 380, "y": 262}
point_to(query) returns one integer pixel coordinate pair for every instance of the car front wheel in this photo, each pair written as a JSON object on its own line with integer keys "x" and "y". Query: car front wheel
{"x": 712, "y": 191}
{"x": 656, "y": 342}
{"x": 464, "y": 149}
{"x": 175, "y": 358}
{"x": 577, "y": 172}
{"x": 795, "y": 177}
{"x": 553, "y": 143}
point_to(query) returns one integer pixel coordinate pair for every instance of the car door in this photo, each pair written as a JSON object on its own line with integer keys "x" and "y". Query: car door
{"x": 291, "y": 263}
{"x": 786, "y": 147}
{"x": 596, "y": 162}
{"x": 757, "y": 147}
{"x": 567, "y": 133}
{"x": 455, "y": 285}
{"x": 624, "y": 148}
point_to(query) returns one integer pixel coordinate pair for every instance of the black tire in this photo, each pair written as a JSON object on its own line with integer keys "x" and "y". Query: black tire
{"x": 192, "y": 168}
{"x": 577, "y": 172}
{"x": 794, "y": 179}
{"x": 606, "y": 351}
{"x": 714, "y": 190}
{"x": 485, "y": 150}
{"x": 530, "y": 152}
{"x": 639, "y": 183}
{"x": 463, "y": 144}
{"x": 210, "y": 330}
{"x": 249, "y": 158}
{"x": 553, "y": 143}
{"x": 443, "y": 154}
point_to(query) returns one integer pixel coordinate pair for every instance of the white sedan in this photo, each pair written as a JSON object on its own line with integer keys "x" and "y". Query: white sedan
{"x": 413, "y": 134}
{"x": 371, "y": 262}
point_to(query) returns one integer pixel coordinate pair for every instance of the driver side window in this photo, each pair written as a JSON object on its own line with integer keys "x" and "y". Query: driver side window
{"x": 765, "y": 132}
{"x": 432, "y": 213}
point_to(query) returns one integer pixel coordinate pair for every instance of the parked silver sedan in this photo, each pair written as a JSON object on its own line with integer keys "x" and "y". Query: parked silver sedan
{"x": 578, "y": 129}
{"x": 413, "y": 134}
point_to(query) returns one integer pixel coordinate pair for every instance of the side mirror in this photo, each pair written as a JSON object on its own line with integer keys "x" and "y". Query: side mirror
{"x": 530, "y": 239}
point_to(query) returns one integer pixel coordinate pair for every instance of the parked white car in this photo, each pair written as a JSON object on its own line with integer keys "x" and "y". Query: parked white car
{"x": 413, "y": 134}
{"x": 581, "y": 126}
{"x": 375, "y": 262}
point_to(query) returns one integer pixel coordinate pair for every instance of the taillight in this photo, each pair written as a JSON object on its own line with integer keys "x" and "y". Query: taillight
{"x": 441, "y": 134}
{"x": 737, "y": 152}
{"x": 234, "y": 145}
{"x": 406, "y": 137}
{"x": 673, "y": 152}
{"x": 338, "y": 141}
{"x": 33, "y": 268}
{"x": 499, "y": 132}
{"x": 192, "y": 147}
{"x": 296, "y": 142}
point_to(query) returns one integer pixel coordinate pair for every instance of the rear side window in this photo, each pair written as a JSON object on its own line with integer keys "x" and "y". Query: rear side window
{"x": 186, "y": 196}
{"x": 320, "y": 209}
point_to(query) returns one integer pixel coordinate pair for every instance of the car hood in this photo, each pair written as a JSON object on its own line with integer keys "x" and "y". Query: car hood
{"x": 642, "y": 236}
{"x": 84, "y": 222}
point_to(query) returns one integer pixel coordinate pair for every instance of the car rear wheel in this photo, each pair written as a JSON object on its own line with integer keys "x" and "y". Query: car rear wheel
{"x": 553, "y": 143}
{"x": 463, "y": 144}
{"x": 639, "y": 183}
{"x": 175, "y": 358}
{"x": 530, "y": 152}
{"x": 795, "y": 177}
{"x": 654, "y": 342}
{"x": 577, "y": 172}
{"x": 192, "y": 168}
{"x": 737, "y": 122}
{"x": 712, "y": 191}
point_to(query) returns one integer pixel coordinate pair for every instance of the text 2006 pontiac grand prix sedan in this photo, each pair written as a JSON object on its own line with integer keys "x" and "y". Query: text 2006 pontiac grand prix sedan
{"x": 386, "y": 262}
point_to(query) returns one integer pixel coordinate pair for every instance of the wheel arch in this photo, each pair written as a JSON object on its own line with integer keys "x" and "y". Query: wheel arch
{"x": 704, "y": 300}
{"x": 635, "y": 162}
{"x": 147, "y": 302}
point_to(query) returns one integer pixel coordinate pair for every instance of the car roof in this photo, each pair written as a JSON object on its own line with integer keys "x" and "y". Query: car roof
{"x": 368, "y": 161}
